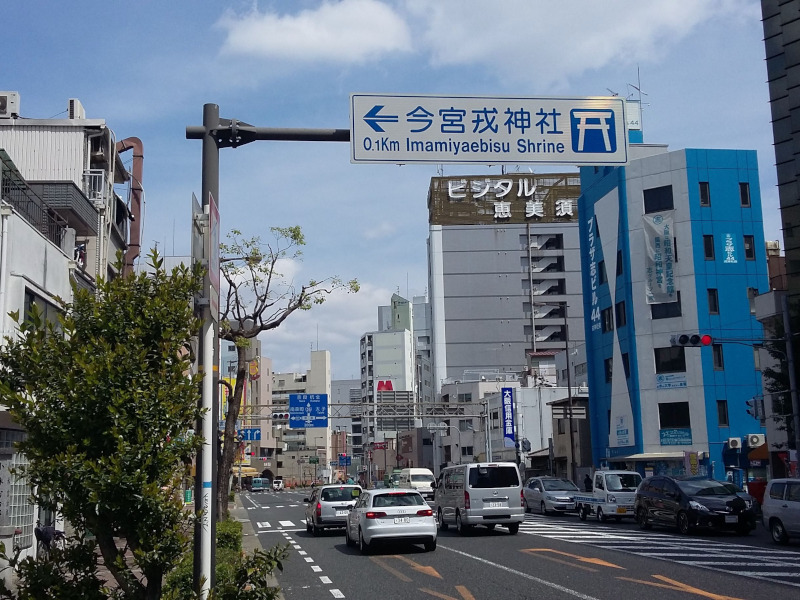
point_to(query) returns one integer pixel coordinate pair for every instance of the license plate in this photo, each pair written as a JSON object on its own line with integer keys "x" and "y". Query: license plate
{"x": 341, "y": 513}
{"x": 495, "y": 504}
{"x": 402, "y": 519}
{"x": 622, "y": 510}
{"x": 731, "y": 519}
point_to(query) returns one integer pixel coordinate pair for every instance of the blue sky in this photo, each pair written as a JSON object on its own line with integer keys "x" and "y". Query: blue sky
{"x": 147, "y": 67}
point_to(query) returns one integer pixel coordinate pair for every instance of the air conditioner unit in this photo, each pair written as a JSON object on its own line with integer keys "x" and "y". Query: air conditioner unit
{"x": 754, "y": 440}
{"x": 9, "y": 105}
{"x": 75, "y": 109}
{"x": 734, "y": 443}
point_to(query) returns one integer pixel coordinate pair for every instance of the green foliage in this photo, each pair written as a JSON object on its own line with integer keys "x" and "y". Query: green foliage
{"x": 238, "y": 577}
{"x": 229, "y": 535}
{"x": 107, "y": 402}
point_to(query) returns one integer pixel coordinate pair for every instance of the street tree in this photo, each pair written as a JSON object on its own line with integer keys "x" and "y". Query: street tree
{"x": 107, "y": 402}
{"x": 259, "y": 297}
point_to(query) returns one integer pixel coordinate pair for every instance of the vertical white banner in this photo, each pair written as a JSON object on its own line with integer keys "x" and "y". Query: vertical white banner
{"x": 659, "y": 259}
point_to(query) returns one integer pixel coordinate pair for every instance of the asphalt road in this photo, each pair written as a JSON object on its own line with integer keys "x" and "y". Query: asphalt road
{"x": 552, "y": 557}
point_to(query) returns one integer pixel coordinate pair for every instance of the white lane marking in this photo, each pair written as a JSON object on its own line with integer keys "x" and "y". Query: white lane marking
{"x": 296, "y": 546}
{"x": 263, "y": 525}
{"x": 325, "y": 579}
{"x": 286, "y": 523}
{"x": 337, "y": 594}
{"x": 316, "y": 568}
{"x": 302, "y": 552}
{"x": 555, "y": 586}
{"x": 308, "y": 559}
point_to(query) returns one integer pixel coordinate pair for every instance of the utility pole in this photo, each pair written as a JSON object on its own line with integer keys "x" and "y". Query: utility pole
{"x": 573, "y": 467}
{"x": 217, "y": 133}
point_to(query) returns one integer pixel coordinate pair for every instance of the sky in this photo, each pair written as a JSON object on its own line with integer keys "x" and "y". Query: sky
{"x": 148, "y": 67}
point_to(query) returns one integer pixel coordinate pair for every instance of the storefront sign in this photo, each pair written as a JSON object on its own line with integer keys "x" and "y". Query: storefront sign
{"x": 679, "y": 436}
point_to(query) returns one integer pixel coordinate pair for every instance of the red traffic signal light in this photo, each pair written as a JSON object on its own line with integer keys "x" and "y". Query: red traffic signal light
{"x": 692, "y": 339}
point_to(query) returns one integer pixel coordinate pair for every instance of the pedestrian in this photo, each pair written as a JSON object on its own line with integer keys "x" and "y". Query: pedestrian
{"x": 587, "y": 483}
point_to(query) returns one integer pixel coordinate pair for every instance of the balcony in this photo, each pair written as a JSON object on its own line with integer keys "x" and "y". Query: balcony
{"x": 70, "y": 203}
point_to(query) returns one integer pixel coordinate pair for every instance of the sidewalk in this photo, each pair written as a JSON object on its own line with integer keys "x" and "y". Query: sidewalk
{"x": 250, "y": 540}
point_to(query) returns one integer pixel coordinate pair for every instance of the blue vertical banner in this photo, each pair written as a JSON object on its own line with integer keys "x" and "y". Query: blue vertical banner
{"x": 508, "y": 417}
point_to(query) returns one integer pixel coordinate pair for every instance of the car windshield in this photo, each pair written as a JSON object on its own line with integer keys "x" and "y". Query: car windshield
{"x": 340, "y": 494}
{"x": 622, "y": 482}
{"x": 559, "y": 485}
{"x": 422, "y": 478}
{"x": 397, "y": 499}
{"x": 493, "y": 476}
{"x": 704, "y": 487}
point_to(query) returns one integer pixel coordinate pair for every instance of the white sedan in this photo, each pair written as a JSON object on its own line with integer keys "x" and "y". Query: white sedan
{"x": 384, "y": 515}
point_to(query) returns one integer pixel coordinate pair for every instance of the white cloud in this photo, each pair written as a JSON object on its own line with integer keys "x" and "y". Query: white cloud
{"x": 350, "y": 31}
{"x": 337, "y": 326}
{"x": 548, "y": 42}
{"x": 379, "y": 230}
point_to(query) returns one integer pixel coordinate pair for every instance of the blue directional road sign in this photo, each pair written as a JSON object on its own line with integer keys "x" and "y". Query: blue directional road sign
{"x": 345, "y": 461}
{"x": 308, "y": 410}
{"x": 250, "y": 434}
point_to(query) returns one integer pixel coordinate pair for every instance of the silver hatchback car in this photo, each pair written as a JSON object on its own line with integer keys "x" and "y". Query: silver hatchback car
{"x": 780, "y": 512}
{"x": 329, "y": 505}
{"x": 384, "y": 515}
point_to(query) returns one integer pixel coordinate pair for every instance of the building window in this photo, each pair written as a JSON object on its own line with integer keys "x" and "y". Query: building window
{"x": 674, "y": 414}
{"x": 751, "y": 299}
{"x": 619, "y": 263}
{"x": 708, "y": 247}
{"x": 607, "y": 318}
{"x": 467, "y": 451}
{"x": 626, "y": 365}
{"x": 465, "y": 397}
{"x": 719, "y": 362}
{"x": 744, "y": 194}
{"x": 713, "y": 301}
{"x": 465, "y": 425}
{"x": 601, "y": 269}
{"x": 749, "y": 248}
{"x": 705, "y": 194}
{"x": 658, "y": 199}
{"x": 722, "y": 413}
{"x": 562, "y": 426}
{"x": 608, "y": 365}
{"x": 666, "y": 310}
{"x": 670, "y": 360}
{"x": 619, "y": 312}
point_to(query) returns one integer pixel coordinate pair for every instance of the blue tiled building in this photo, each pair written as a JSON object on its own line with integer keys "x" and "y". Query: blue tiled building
{"x": 673, "y": 243}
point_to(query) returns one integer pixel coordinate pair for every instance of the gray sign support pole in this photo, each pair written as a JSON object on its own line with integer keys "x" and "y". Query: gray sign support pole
{"x": 219, "y": 133}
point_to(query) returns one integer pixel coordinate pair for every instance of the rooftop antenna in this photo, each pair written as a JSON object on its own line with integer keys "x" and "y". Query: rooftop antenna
{"x": 638, "y": 88}
{"x": 613, "y": 93}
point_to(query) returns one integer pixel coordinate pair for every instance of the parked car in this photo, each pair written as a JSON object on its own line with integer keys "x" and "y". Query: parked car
{"x": 328, "y": 506}
{"x": 612, "y": 495}
{"x": 487, "y": 494}
{"x": 781, "y": 509}
{"x": 689, "y": 503}
{"x": 390, "y": 515}
{"x": 748, "y": 499}
{"x": 277, "y": 485}
{"x": 549, "y": 494}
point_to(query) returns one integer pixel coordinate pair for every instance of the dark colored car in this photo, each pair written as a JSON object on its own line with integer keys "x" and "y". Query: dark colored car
{"x": 690, "y": 503}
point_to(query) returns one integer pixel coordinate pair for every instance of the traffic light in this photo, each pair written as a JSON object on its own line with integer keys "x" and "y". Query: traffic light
{"x": 691, "y": 339}
{"x": 753, "y": 408}
{"x": 280, "y": 416}
{"x": 526, "y": 445}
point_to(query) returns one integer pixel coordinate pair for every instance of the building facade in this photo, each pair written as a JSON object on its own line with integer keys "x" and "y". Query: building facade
{"x": 673, "y": 244}
{"x": 504, "y": 265}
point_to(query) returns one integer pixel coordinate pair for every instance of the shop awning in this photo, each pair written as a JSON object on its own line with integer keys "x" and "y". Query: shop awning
{"x": 759, "y": 453}
{"x": 648, "y": 456}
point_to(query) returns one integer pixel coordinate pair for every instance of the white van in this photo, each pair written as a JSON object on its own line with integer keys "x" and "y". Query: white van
{"x": 485, "y": 494}
{"x": 417, "y": 479}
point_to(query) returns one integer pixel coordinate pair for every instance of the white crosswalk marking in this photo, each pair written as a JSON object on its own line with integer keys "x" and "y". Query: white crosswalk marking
{"x": 263, "y": 525}
{"x": 286, "y": 523}
{"x": 775, "y": 565}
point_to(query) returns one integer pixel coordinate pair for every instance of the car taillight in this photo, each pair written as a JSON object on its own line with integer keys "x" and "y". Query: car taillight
{"x": 319, "y": 509}
{"x": 466, "y": 499}
{"x": 375, "y": 515}
{"x": 425, "y": 512}
{"x": 521, "y": 498}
